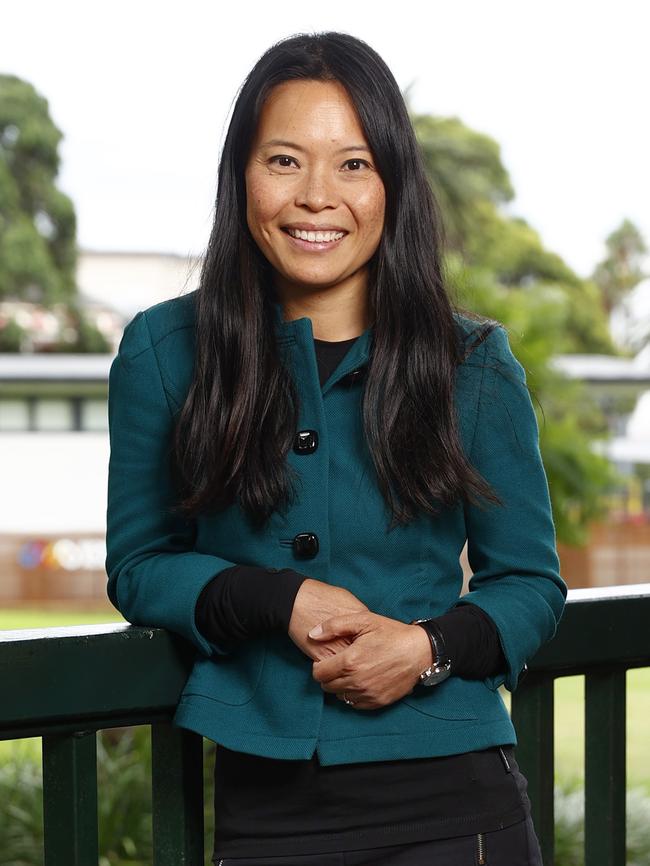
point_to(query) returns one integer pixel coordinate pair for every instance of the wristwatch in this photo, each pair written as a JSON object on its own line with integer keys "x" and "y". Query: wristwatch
{"x": 441, "y": 667}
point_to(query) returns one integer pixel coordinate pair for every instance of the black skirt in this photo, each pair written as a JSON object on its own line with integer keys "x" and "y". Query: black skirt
{"x": 268, "y": 807}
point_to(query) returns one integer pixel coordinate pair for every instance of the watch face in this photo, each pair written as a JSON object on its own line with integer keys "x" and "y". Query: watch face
{"x": 438, "y": 675}
{"x": 435, "y": 678}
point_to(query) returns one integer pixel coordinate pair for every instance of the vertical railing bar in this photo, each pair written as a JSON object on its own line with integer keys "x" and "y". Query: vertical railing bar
{"x": 70, "y": 798}
{"x": 605, "y": 768}
{"x": 532, "y": 709}
{"x": 177, "y": 795}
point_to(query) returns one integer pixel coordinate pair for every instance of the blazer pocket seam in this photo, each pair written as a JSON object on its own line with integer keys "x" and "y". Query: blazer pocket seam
{"x": 439, "y": 715}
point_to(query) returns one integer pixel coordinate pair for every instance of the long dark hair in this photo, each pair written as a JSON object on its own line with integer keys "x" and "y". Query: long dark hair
{"x": 239, "y": 420}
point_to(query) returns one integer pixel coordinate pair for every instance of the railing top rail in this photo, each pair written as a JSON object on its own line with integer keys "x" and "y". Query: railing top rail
{"x": 109, "y": 673}
{"x": 59, "y": 631}
{"x": 600, "y": 627}
{"x": 593, "y": 593}
{"x": 100, "y": 675}
{"x": 599, "y": 595}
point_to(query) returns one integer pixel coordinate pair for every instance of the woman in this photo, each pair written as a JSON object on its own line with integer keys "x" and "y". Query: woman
{"x": 309, "y": 439}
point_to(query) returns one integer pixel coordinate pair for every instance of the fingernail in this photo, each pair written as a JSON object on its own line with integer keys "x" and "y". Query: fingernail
{"x": 317, "y": 630}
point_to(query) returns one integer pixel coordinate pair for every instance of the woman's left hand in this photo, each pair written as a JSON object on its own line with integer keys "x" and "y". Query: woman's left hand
{"x": 380, "y": 666}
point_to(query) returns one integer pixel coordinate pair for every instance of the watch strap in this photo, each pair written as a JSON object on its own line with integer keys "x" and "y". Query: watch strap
{"x": 437, "y": 640}
{"x": 441, "y": 664}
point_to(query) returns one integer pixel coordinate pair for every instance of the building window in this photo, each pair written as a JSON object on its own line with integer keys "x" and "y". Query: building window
{"x": 94, "y": 415}
{"x": 50, "y": 414}
{"x": 14, "y": 414}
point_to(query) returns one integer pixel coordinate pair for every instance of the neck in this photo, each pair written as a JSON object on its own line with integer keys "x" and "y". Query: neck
{"x": 334, "y": 317}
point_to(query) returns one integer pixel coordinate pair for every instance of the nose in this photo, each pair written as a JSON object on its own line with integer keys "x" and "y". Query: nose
{"x": 317, "y": 190}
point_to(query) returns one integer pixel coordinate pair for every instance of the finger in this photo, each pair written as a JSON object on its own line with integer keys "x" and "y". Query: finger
{"x": 349, "y": 623}
{"x": 338, "y": 684}
{"x": 326, "y": 669}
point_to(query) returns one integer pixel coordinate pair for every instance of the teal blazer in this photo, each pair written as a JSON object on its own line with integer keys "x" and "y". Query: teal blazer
{"x": 261, "y": 697}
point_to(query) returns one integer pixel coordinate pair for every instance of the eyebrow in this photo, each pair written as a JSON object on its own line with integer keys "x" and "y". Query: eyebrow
{"x": 275, "y": 142}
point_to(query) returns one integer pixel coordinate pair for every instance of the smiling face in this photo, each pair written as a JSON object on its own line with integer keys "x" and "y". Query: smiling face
{"x": 310, "y": 169}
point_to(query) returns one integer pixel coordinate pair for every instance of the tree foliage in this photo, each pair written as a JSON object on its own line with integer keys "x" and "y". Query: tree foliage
{"x": 38, "y": 254}
{"x": 621, "y": 270}
{"x": 38, "y": 248}
{"x": 497, "y": 265}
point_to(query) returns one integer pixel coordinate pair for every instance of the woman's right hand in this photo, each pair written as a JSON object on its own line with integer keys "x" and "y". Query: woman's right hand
{"x": 317, "y": 601}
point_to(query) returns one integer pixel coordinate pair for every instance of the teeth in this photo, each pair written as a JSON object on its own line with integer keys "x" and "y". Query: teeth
{"x": 315, "y": 237}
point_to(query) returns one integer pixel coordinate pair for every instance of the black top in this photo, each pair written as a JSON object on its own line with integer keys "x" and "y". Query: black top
{"x": 267, "y": 806}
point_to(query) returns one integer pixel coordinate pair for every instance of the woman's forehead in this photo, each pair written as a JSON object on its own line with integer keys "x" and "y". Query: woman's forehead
{"x": 304, "y": 112}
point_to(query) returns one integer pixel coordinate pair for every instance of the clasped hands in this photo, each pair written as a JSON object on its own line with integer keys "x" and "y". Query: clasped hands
{"x": 374, "y": 659}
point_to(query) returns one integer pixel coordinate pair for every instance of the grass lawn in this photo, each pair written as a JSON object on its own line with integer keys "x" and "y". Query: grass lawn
{"x": 569, "y": 706}
{"x": 570, "y": 721}
{"x": 36, "y": 618}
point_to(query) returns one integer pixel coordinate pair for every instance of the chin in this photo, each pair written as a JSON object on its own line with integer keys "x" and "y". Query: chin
{"x": 314, "y": 282}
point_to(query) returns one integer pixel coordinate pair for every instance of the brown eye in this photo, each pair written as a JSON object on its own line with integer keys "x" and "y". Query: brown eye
{"x": 361, "y": 161}
{"x": 284, "y": 165}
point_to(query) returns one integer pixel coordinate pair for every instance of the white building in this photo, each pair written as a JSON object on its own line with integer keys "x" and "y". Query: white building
{"x": 129, "y": 282}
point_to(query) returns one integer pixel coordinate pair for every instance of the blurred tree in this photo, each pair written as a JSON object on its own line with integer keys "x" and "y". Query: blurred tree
{"x": 497, "y": 265}
{"x": 87, "y": 337}
{"x": 620, "y": 271}
{"x": 38, "y": 250}
{"x": 471, "y": 185}
{"x": 11, "y": 337}
{"x": 464, "y": 168}
{"x": 38, "y": 254}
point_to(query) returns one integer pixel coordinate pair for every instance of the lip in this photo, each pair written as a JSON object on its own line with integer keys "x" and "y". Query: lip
{"x": 313, "y": 246}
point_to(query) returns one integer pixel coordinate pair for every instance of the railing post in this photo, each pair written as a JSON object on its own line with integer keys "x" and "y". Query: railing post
{"x": 70, "y": 798}
{"x": 605, "y": 770}
{"x": 532, "y": 713}
{"x": 177, "y": 795}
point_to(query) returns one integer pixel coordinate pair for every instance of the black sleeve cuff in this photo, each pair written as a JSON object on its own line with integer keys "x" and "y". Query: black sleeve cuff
{"x": 472, "y": 642}
{"x": 246, "y": 600}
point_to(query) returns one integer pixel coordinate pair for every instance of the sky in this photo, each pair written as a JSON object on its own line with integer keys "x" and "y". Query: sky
{"x": 142, "y": 93}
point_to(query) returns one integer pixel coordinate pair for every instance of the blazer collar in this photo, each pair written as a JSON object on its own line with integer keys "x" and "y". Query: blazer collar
{"x": 301, "y": 331}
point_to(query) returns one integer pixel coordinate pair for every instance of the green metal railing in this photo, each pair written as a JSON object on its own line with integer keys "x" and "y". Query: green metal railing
{"x": 64, "y": 684}
{"x": 602, "y": 634}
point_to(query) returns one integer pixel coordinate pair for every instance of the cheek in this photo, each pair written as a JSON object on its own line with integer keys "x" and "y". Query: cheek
{"x": 373, "y": 210}
{"x": 263, "y": 200}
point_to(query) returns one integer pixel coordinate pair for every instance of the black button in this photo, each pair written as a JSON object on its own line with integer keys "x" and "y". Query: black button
{"x": 305, "y": 545}
{"x": 305, "y": 442}
{"x": 352, "y": 377}
{"x": 523, "y": 673}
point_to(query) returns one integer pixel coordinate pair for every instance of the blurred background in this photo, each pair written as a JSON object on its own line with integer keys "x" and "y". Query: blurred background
{"x": 530, "y": 119}
{"x": 530, "y": 116}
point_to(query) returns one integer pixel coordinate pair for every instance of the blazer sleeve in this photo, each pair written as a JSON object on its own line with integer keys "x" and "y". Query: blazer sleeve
{"x": 154, "y": 574}
{"x": 512, "y": 548}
